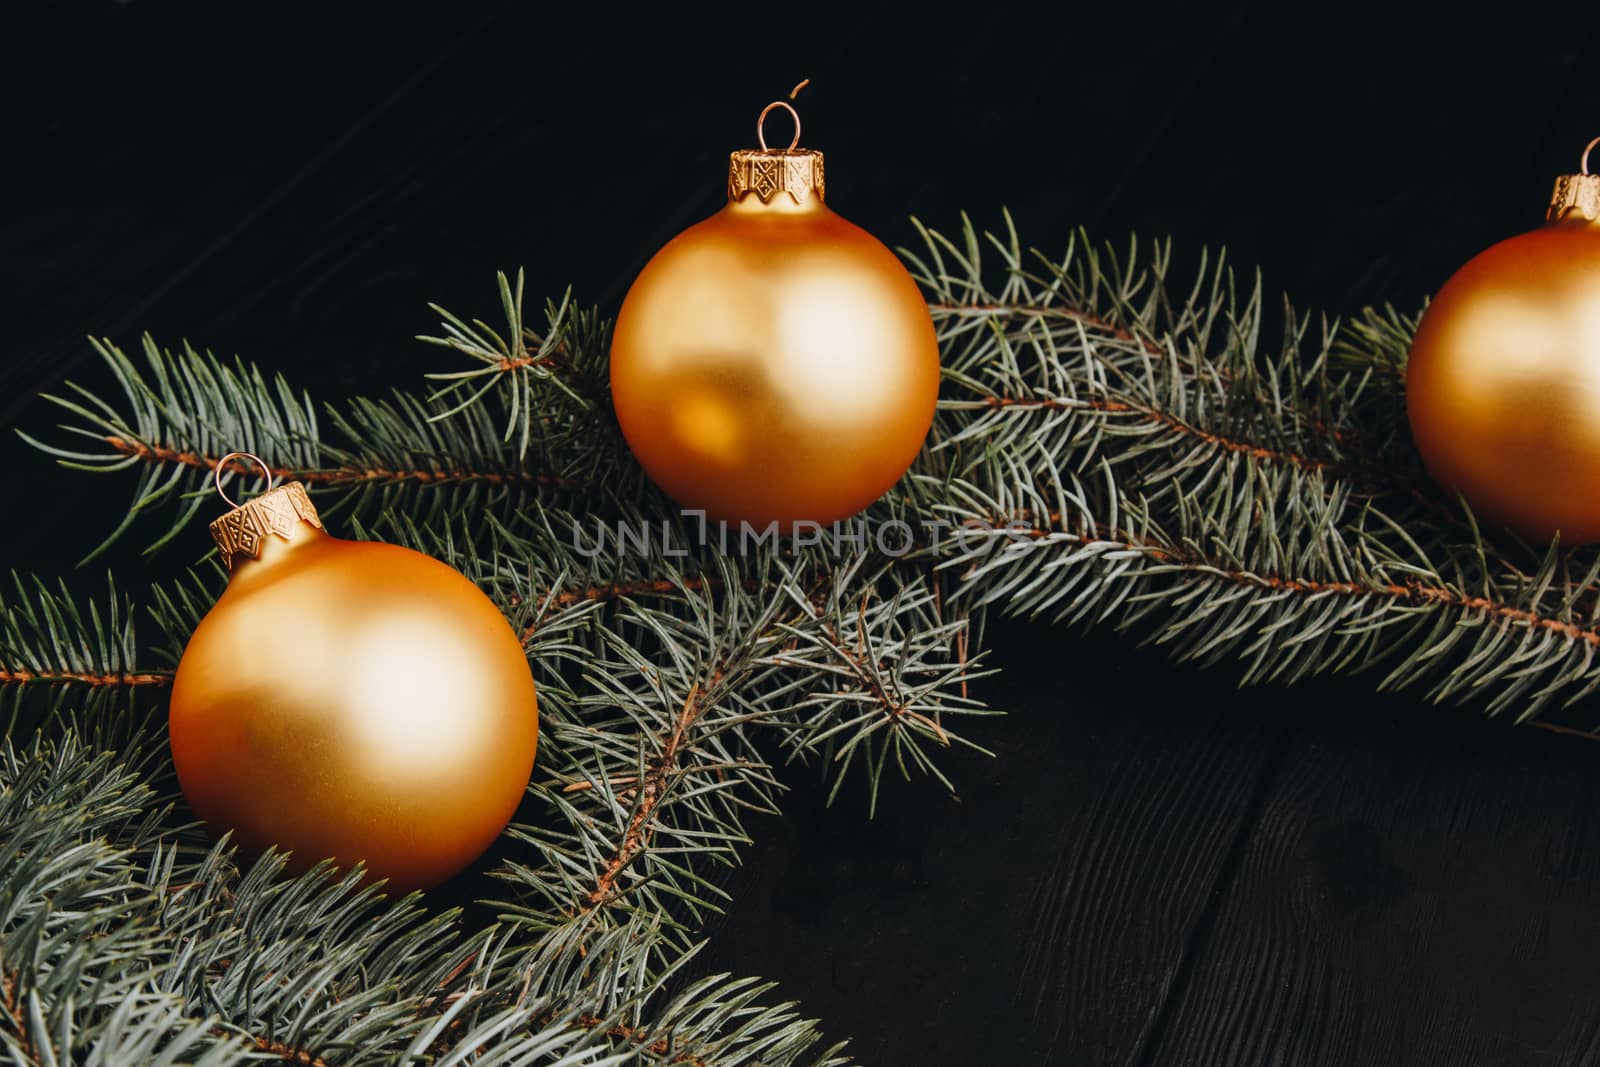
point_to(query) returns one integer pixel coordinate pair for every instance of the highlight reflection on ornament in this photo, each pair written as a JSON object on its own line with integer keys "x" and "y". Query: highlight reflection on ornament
{"x": 775, "y": 362}
{"x": 350, "y": 700}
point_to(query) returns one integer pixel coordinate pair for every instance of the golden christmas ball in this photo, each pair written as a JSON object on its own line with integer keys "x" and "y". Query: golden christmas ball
{"x": 1503, "y": 383}
{"x": 350, "y": 700}
{"x": 775, "y": 362}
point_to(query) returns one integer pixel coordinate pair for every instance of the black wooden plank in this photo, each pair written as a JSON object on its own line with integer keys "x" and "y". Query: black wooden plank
{"x": 1419, "y": 890}
{"x": 1040, "y": 918}
{"x": 165, "y": 132}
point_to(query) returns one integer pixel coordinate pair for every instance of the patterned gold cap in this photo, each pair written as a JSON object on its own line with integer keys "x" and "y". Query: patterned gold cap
{"x": 1576, "y": 199}
{"x": 241, "y": 532}
{"x": 766, "y": 172}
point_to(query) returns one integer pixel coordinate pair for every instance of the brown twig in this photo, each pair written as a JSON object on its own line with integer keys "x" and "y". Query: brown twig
{"x": 10, "y": 999}
{"x": 1051, "y": 312}
{"x": 1408, "y": 592}
{"x": 287, "y": 1053}
{"x": 857, "y": 662}
{"x": 548, "y": 362}
{"x": 637, "y": 836}
{"x": 659, "y": 1046}
{"x": 1150, "y": 346}
{"x": 1566, "y": 731}
{"x": 617, "y": 591}
{"x": 21, "y": 676}
{"x": 1171, "y": 422}
{"x": 339, "y": 476}
{"x": 579, "y": 787}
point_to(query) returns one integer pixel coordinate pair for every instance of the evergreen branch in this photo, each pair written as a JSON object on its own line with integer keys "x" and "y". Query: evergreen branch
{"x": 1115, "y": 443}
{"x": 181, "y": 411}
{"x": 1412, "y": 592}
{"x": 340, "y": 477}
{"x": 556, "y": 382}
{"x": 1162, "y": 419}
{"x": 923, "y": 643}
{"x": 114, "y": 931}
{"x": 1350, "y": 595}
{"x": 894, "y": 667}
{"x": 68, "y": 660}
{"x": 720, "y": 1021}
{"x": 662, "y": 768}
{"x": 1126, "y": 347}
{"x": 45, "y": 635}
{"x": 948, "y": 310}
{"x": 1227, "y": 501}
{"x": 673, "y": 796}
{"x": 614, "y": 591}
{"x": 656, "y": 1046}
{"x": 79, "y": 965}
{"x": 701, "y": 676}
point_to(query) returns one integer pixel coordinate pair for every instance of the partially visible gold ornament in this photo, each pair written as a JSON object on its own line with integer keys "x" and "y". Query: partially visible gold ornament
{"x": 350, "y": 700}
{"x": 775, "y": 362}
{"x": 1503, "y": 384}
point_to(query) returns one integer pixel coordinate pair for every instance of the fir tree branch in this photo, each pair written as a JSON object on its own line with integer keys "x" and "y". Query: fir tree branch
{"x": 1407, "y": 592}
{"x": 113, "y": 925}
{"x": 662, "y": 768}
{"x": 1225, "y": 500}
{"x": 181, "y": 411}
{"x": 1116, "y": 443}
{"x": 556, "y": 381}
{"x": 73, "y": 660}
{"x": 895, "y": 666}
{"x": 948, "y": 310}
{"x": 341, "y": 477}
{"x": 613, "y": 591}
{"x": 1161, "y": 419}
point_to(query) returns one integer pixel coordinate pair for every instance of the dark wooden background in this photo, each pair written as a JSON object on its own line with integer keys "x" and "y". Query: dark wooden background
{"x": 1158, "y": 868}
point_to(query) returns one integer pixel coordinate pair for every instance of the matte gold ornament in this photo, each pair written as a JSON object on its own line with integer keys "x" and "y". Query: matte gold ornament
{"x": 775, "y": 362}
{"x": 1503, "y": 384}
{"x": 350, "y": 700}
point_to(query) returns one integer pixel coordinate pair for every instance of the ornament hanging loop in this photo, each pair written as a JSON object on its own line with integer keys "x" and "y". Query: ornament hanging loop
{"x": 761, "y": 119}
{"x": 1583, "y": 164}
{"x": 222, "y": 465}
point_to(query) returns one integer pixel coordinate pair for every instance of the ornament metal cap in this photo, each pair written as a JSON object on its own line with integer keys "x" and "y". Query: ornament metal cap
{"x": 766, "y": 172}
{"x": 1576, "y": 197}
{"x": 242, "y": 531}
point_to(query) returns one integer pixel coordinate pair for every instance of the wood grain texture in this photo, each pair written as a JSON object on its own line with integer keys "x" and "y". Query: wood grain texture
{"x": 1414, "y": 893}
{"x": 1042, "y": 916}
